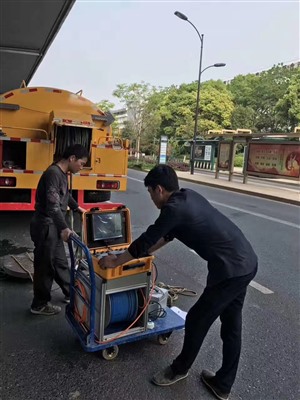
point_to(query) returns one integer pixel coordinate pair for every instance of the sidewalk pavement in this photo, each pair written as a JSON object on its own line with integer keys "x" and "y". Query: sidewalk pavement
{"x": 257, "y": 188}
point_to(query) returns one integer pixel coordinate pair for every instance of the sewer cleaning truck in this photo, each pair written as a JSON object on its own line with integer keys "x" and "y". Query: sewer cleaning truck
{"x": 36, "y": 126}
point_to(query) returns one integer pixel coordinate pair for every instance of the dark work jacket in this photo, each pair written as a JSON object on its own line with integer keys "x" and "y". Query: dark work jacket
{"x": 53, "y": 198}
{"x": 190, "y": 218}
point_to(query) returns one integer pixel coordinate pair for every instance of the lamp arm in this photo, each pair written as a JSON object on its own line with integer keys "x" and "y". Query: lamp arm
{"x": 210, "y": 66}
{"x": 200, "y": 36}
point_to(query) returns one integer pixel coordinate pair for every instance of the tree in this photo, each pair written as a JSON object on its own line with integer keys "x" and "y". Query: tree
{"x": 179, "y": 104}
{"x": 243, "y": 117}
{"x": 261, "y": 92}
{"x": 105, "y": 105}
{"x": 288, "y": 107}
{"x": 267, "y": 102}
{"x": 216, "y": 106}
{"x": 243, "y": 89}
{"x": 152, "y": 123}
{"x": 171, "y": 111}
{"x": 173, "y": 107}
{"x": 135, "y": 97}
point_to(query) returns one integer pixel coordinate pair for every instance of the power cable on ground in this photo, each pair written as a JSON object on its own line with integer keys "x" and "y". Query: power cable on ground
{"x": 175, "y": 291}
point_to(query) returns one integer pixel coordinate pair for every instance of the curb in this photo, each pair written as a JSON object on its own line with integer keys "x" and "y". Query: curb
{"x": 268, "y": 196}
{"x": 249, "y": 192}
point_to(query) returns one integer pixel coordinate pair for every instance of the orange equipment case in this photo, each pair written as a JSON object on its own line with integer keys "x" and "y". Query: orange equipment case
{"x": 108, "y": 231}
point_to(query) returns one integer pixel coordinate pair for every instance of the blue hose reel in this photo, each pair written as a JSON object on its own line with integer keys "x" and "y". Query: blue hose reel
{"x": 121, "y": 307}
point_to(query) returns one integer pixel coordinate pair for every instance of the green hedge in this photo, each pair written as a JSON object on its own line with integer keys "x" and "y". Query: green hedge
{"x": 146, "y": 165}
{"x": 238, "y": 160}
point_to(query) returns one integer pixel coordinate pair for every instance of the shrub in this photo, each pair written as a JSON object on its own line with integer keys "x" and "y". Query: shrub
{"x": 239, "y": 160}
{"x": 140, "y": 164}
{"x": 146, "y": 165}
{"x": 180, "y": 166}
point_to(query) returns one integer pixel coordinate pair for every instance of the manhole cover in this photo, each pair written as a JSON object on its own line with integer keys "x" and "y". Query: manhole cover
{"x": 19, "y": 266}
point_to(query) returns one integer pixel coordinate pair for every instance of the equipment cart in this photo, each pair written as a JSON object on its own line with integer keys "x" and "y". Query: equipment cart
{"x": 110, "y": 307}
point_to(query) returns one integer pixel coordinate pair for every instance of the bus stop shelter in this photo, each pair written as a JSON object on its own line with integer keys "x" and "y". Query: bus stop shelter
{"x": 265, "y": 155}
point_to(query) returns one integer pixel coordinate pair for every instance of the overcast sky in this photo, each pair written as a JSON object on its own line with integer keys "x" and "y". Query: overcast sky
{"x": 104, "y": 43}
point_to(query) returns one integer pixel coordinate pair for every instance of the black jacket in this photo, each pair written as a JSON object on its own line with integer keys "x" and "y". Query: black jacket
{"x": 190, "y": 218}
{"x": 53, "y": 198}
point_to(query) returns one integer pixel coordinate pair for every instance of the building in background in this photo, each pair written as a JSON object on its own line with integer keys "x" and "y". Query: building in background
{"x": 121, "y": 117}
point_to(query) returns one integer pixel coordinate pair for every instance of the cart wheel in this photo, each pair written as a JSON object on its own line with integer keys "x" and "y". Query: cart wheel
{"x": 164, "y": 338}
{"x": 110, "y": 353}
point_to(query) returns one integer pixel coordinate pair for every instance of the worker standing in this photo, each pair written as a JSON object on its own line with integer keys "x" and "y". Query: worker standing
{"x": 48, "y": 229}
{"x": 232, "y": 264}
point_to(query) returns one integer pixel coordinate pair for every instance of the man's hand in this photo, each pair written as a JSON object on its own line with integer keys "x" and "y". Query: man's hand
{"x": 65, "y": 233}
{"x": 109, "y": 261}
{"x": 81, "y": 210}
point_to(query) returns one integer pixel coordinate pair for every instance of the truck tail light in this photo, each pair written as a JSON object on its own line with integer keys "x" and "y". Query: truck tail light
{"x": 8, "y": 182}
{"x": 108, "y": 185}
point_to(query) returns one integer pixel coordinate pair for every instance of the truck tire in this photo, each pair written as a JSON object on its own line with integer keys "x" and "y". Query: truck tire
{"x": 96, "y": 196}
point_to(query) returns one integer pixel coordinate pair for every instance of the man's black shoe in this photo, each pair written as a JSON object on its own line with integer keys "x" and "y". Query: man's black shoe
{"x": 167, "y": 377}
{"x": 208, "y": 379}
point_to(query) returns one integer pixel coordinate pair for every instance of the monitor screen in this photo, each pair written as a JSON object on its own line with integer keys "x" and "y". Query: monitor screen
{"x": 108, "y": 228}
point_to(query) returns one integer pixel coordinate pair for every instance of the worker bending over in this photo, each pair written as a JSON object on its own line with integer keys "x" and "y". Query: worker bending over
{"x": 232, "y": 264}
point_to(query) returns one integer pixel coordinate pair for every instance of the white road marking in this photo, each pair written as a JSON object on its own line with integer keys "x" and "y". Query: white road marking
{"x": 280, "y": 221}
{"x": 261, "y": 288}
{"x": 254, "y": 284}
{"x": 134, "y": 179}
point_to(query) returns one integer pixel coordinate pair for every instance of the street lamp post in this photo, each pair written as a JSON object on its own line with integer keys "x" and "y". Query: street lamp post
{"x": 201, "y": 37}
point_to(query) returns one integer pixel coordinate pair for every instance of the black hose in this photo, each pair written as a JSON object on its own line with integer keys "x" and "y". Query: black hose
{"x": 68, "y": 136}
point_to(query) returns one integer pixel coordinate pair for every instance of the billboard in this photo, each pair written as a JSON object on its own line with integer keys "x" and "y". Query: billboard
{"x": 274, "y": 159}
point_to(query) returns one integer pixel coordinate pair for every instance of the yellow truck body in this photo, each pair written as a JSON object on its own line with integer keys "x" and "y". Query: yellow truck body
{"x": 36, "y": 125}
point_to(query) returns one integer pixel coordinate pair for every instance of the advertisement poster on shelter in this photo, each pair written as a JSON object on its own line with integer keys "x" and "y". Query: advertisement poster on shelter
{"x": 274, "y": 159}
{"x": 223, "y": 159}
{"x": 203, "y": 152}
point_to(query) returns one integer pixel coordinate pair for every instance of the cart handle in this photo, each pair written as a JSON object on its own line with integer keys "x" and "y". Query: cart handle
{"x": 75, "y": 238}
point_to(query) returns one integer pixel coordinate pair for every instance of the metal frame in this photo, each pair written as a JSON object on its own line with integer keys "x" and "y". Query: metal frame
{"x": 87, "y": 337}
{"x": 104, "y": 288}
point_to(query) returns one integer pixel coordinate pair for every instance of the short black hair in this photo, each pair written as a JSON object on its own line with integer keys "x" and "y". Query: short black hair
{"x": 76, "y": 150}
{"x": 162, "y": 175}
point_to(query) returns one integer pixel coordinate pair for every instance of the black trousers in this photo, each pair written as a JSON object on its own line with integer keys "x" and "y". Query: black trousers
{"x": 224, "y": 300}
{"x": 50, "y": 262}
